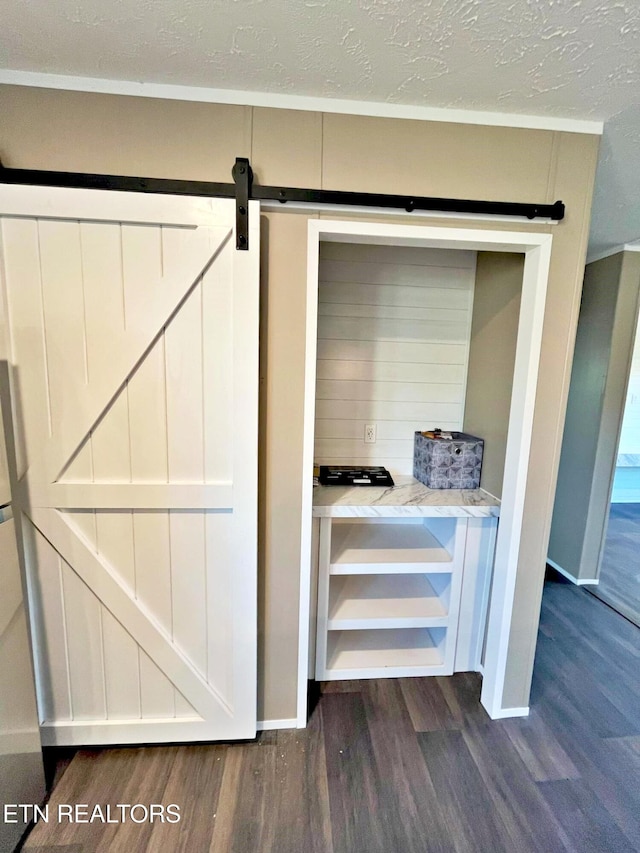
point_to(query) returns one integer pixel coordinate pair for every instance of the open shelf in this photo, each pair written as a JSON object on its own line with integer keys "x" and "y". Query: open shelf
{"x": 386, "y": 548}
{"x": 388, "y": 596}
{"x": 388, "y": 601}
{"x": 385, "y": 653}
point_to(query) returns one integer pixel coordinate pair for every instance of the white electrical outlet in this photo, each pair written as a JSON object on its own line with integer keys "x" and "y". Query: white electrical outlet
{"x": 370, "y": 434}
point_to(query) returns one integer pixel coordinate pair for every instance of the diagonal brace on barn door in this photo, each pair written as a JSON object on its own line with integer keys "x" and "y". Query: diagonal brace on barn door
{"x": 140, "y": 623}
{"x": 243, "y": 189}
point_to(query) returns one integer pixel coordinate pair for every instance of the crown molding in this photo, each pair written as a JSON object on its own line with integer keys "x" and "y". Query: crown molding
{"x": 203, "y": 94}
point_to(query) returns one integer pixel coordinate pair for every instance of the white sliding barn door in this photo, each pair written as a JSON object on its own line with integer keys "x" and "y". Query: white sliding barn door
{"x": 133, "y": 333}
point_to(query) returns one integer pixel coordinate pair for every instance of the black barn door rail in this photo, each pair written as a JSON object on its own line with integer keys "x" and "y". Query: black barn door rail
{"x": 243, "y": 190}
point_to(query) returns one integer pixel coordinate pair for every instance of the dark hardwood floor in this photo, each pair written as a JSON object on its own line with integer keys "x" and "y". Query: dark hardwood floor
{"x": 620, "y": 570}
{"x": 407, "y": 766}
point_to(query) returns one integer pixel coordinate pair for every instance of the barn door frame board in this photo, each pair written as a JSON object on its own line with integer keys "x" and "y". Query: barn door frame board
{"x": 243, "y": 189}
{"x": 536, "y": 248}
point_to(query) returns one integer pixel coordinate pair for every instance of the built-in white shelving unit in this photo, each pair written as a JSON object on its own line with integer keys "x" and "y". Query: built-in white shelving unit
{"x": 390, "y": 569}
{"x": 388, "y": 596}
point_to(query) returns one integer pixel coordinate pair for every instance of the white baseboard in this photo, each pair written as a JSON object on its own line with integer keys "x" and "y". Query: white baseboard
{"x": 504, "y": 713}
{"x": 271, "y": 725}
{"x": 576, "y": 581}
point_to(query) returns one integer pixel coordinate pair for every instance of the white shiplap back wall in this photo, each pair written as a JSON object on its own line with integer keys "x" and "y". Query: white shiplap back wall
{"x": 394, "y": 325}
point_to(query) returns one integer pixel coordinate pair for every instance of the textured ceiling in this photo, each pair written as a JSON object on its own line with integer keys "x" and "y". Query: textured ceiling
{"x": 569, "y": 58}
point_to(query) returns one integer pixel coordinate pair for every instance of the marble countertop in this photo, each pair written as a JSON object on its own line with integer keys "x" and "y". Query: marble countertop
{"x": 407, "y": 498}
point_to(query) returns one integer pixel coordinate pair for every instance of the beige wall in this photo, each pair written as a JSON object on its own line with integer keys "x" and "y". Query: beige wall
{"x": 604, "y": 346}
{"x": 584, "y": 410}
{"x": 84, "y": 132}
{"x": 494, "y": 334}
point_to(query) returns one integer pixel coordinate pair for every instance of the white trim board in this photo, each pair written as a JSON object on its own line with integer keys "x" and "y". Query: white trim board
{"x": 537, "y": 251}
{"x": 343, "y": 209}
{"x": 574, "y": 580}
{"x": 205, "y": 94}
{"x": 503, "y": 713}
{"x": 614, "y": 250}
{"x": 79, "y": 733}
{"x": 272, "y": 725}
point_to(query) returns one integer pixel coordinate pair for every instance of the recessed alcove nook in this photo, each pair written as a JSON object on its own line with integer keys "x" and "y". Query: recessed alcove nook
{"x": 427, "y": 621}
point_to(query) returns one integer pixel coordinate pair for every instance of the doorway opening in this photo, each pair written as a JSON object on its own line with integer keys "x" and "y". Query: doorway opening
{"x": 619, "y": 575}
{"x": 514, "y": 456}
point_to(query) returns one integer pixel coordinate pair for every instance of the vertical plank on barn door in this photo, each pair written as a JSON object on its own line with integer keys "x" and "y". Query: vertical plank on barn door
{"x": 112, "y": 463}
{"x": 185, "y": 429}
{"x": 185, "y": 452}
{"x": 219, "y": 556}
{"x": 141, "y": 272}
{"x": 30, "y": 390}
{"x": 83, "y": 622}
{"x": 156, "y": 691}
{"x": 148, "y": 418}
{"x": 101, "y": 247}
{"x": 217, "y": 344}
{"x": 217, "y": 351}
{"x": 148, "y": 442}
{"x": 189, "y": 586}
{"x": 121, "y": 670}
{"x": 63, "y": 309}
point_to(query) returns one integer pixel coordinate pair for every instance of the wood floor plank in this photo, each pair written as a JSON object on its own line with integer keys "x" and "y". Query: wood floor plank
{"x": 343, "y": 686}
{"x": 105, "y": 777}
{"x": 513, "y": 793}
{"x": 539, "y": 750}
{"x": 267, "y": 738}
{"x": 427, "y": 706}
{"x": 358, "y": 815}
{"x": 462, "y": 693}
{"x": 301, "y": 808}
{"x": 629, "y": 745}
{"x": 610, "y": 774}
{"x": 146, "y": 784}
{"x": 597, "y": 660}
{"x": 472, "y": 821}
{"x": 573, "y": 612}
{"x": 584, "y": 818}
{"x": 246, "y": 799}
{"x": 224, "y": 818}
{"x": 616, "y": 782}
{"x": 194, "y": 785}
{"x": 58, "y": 848}
{"x": 587, "y": 693}
{"x": 406, "y": 788}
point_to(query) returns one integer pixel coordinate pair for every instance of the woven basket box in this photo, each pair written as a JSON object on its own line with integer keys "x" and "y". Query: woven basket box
{"x": 441, "y": 463}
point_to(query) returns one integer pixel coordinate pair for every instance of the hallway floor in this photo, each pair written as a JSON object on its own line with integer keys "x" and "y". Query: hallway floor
{"x": 620, "y": 570}
{"x": 395, "y": 766}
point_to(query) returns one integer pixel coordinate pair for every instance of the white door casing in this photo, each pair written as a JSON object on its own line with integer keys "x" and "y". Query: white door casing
{"x": 536, "y": 247}
{"x": 133, "y": 333}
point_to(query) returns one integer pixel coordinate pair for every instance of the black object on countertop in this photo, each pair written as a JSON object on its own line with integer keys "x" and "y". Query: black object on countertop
{"x": 352, "y": 475}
